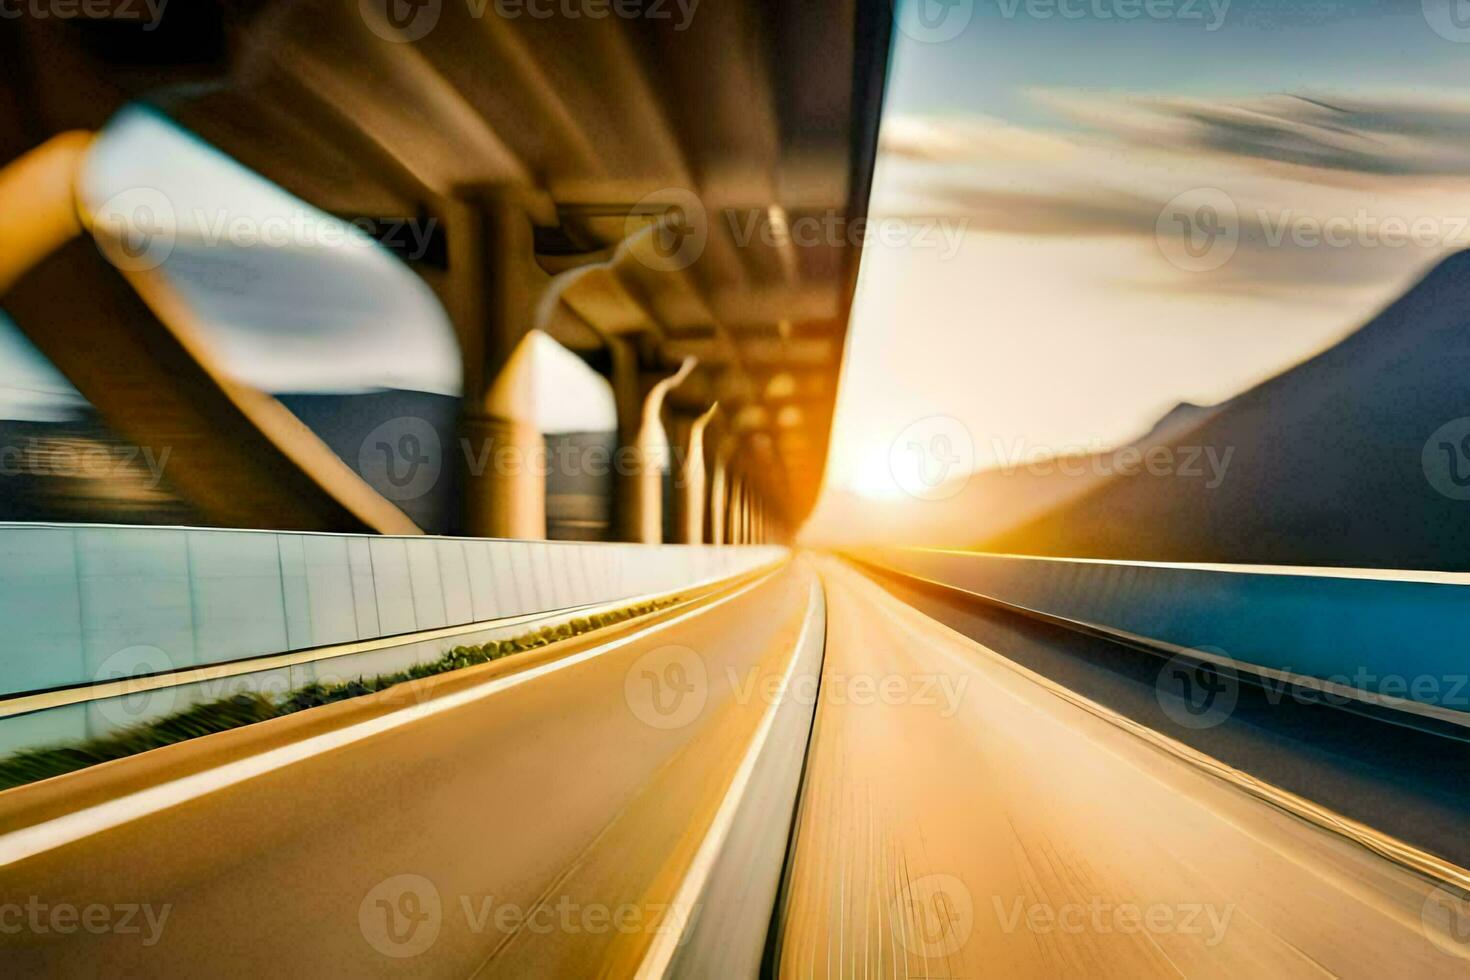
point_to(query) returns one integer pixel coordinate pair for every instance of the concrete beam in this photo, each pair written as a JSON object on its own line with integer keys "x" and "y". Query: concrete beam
{"x": 132, "y": 347}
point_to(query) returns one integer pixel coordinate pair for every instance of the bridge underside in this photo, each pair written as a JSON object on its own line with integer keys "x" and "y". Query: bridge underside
{"x": 674, "y": 199}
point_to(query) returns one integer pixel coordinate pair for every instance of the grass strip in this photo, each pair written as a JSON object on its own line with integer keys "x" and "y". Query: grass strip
{"x": 250, "y": 707}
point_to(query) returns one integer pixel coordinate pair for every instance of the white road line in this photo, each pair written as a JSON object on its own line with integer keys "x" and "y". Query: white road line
{"x": 1300, "y": 571}
{"x": 69, "y": 828}
{"x": 666, "y": 941}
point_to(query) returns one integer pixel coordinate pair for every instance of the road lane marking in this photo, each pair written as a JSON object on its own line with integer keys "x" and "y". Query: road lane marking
{"x": 666, "y": 942}
{"x": 1424, "y": 576}
{"x": 67, "y": 829}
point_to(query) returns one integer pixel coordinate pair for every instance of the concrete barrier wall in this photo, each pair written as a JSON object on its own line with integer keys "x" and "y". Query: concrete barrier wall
{"x": 1385, "y": 633}
{"x": 86, "y": 603}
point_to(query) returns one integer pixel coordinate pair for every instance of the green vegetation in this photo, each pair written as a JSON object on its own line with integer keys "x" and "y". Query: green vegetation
{"x": 248, "y": 708}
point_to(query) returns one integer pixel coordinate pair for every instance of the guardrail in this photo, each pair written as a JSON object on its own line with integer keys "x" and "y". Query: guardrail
{"x": 89, "y": 605}
{"x": 1381, "y": 637}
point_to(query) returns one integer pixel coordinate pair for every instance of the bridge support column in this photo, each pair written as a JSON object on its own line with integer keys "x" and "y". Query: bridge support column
{"x": 491, "y": 294}
{"x": 642, "y": 445}
{"x": 737, "y": 511}
{"x": 719, "y": 495}
{"x": 691, "y": 485}
{"x": 505, "y": 495}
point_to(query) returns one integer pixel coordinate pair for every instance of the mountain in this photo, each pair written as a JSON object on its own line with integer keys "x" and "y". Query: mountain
{"x": 1352, "y": 458}
{"x": 988, "y": 503}
{"x": 578, "y": 490}
{"x": 77, "y": 469}
{"x": 345, "y": 422}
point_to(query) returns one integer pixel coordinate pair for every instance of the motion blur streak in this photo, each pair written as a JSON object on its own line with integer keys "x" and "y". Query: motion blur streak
{"x": 65, "y": 830}
{"x": 506, "y": 831}
{"x": 1023, "y": 835}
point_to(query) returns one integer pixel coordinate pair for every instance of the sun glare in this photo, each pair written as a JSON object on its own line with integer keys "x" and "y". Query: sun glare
{"x": 873, "y": 476}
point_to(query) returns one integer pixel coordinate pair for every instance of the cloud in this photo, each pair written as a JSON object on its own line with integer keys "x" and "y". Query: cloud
{"x": 961, "y": 139}
{"x": 1098, "y": 212}
{"x": 1397, "y": 137}
{"x": 1322, "y": 189}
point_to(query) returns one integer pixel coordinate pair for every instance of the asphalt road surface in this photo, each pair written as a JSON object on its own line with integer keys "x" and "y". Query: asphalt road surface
{"x": 535, "y": 817}
{"x": 620, "y": 805}
{"x": 1404, "y": 781}
{"x": 976, "y": 820}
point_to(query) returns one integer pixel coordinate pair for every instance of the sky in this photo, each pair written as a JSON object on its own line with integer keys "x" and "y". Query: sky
{"x": 30, "y": 388}
{"x": 324, "y": 310}
{"x": 1153, "y": 210}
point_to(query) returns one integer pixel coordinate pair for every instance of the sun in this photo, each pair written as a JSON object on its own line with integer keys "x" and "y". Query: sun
{"x": 874, "y": 477}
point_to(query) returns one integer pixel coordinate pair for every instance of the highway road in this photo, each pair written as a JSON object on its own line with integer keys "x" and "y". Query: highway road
{"x": 978, "y": 820}
{"x": 552, "y": 814}
{"x": 622, "y": 805}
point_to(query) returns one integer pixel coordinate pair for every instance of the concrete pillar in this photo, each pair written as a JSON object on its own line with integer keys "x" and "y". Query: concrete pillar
{"x": 737, "y": 511}
{"x": 492, "y": 291}
{"x": 691, "y": 483}
{"x": 507, "y": 456}
{"x": 626, "y": 381}
{"x": 719, "y": 525}
{"x": 732, "y": 512}
{"x": 639, "y": 487}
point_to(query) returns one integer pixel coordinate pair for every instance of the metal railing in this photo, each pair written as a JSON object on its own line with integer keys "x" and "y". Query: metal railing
{"x": 1382, "y": 637}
